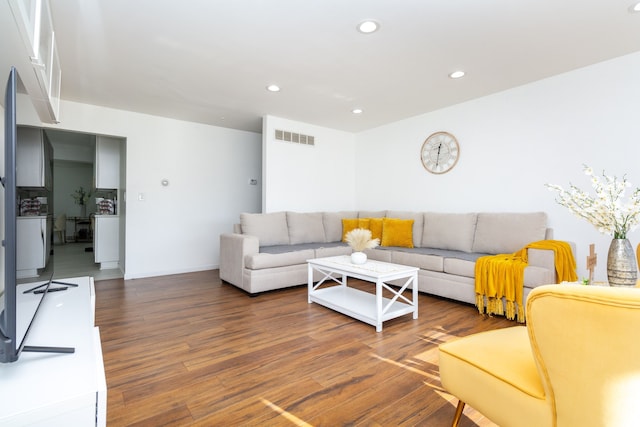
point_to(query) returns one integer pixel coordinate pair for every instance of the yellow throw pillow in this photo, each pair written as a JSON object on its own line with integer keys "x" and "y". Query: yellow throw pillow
{"x": 349, "y": 224}
{"x": 397, "y": 232}
{"x": 375, "y": 225}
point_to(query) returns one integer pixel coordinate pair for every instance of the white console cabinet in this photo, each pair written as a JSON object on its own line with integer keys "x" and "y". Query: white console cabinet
{"x": 34, "y": 23}
{"x": 49, "y": 389}
{"x": 106, "y": 237}
{"x": 107, "y": 164}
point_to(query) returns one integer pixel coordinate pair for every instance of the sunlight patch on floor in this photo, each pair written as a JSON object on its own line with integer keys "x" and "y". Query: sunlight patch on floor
{"x": 297, "y": 421}
{"x": 407, "y": 367}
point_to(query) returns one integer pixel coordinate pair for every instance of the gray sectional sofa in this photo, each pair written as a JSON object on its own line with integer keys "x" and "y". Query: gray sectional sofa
{"x": 269, "y": 251}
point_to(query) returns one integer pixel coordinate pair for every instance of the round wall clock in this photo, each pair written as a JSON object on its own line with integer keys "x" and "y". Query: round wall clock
{"x": 440, "y": 152}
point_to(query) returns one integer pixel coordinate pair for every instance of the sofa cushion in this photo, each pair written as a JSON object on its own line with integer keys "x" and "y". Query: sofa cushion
{"x": 263, "y": 260}
{"x": 269, "y": 228}
{"x": 418, "y": 223}
{"x": 305, "y": 227}
{"x": 422, "y": 261}
{"x": 453, "y": 231}
{"x": 379, "y": 254}
{"x": 327, "y": 251}
{"x": 397, "y": 232}
{"x": 281, "y": 249}
{"x": 372, "y": 214}
{"x": 332, "y": 222}
{"x": 500, "y": 233}
{"x": 460, "y": 267}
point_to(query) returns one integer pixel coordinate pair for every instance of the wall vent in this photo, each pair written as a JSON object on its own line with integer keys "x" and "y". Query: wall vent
{"x": 297, "y": 138}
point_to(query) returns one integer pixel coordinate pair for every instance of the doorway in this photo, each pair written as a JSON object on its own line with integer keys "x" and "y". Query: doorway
{"x": 77, "y": 204}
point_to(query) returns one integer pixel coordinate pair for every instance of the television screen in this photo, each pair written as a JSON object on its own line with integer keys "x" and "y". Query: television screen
{"x": 21, "y": 292}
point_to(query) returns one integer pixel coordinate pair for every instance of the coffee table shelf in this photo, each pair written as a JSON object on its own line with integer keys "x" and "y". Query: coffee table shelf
{"x": 364, "y": 306}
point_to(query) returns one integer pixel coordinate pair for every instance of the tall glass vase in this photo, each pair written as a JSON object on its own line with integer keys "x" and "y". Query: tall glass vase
{"x": 83, "y": 211}
{"x": 622, "y": 269}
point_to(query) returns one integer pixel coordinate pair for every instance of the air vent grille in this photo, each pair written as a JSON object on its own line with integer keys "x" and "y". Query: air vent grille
{"x": 297, "y": 138}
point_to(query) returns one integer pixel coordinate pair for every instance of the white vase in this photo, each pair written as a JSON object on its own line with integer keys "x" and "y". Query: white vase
{"x": 358, "y": 258}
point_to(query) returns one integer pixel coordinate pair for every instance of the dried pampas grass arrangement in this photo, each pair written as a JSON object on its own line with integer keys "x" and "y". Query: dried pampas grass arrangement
{"x": 360, "y": 239}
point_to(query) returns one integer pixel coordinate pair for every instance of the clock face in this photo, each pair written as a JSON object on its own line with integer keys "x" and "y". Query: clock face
{"x": 440, "y": 152}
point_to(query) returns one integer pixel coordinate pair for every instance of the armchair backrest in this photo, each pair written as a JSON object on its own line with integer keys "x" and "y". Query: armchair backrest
{"x": 586, "y": 343}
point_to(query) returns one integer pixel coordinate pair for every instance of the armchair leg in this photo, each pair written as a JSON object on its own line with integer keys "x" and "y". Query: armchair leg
{"x": 458, "y": 414}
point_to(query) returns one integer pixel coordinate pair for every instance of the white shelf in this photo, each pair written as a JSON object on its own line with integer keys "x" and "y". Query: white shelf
{"x": 357, "y": 304}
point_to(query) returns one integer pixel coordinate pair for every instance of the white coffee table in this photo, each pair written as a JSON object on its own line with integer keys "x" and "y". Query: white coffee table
{"x": 364, "y": 306}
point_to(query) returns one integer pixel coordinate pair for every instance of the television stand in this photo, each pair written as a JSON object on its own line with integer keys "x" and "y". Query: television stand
{"x": 43, "y": 349}
{"x": 66, "y": 389}
{"x": 38, "y": 289}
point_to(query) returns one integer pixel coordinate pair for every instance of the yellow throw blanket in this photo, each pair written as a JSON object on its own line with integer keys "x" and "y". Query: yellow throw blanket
{"x": 502, "y": 276}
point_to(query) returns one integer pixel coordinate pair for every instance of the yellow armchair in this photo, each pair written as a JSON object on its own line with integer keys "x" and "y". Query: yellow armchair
{"x": 576, "y": 363}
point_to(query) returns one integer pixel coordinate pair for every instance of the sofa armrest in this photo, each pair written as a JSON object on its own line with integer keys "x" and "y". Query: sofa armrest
{"x": 545, "y": 258}
{"x": 233, "y": 249}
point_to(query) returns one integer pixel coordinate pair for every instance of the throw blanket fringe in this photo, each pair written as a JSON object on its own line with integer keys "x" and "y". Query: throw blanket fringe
{"x": 502, "y": 276}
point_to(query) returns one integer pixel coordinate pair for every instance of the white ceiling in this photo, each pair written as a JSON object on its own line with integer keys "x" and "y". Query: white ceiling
{"x": 209, "y": 61}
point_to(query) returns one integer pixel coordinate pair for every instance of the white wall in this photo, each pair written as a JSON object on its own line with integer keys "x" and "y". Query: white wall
{"x": 306, "y": 178}
{"x": 176, "y": 228}
{"x": 512, "y": 143}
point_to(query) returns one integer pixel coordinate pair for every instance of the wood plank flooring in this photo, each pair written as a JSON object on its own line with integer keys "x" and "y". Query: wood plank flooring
{"x": 190, "y": 350}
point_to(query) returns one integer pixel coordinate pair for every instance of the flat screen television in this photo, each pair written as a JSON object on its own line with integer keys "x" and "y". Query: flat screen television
{"x": 20, "y": 300}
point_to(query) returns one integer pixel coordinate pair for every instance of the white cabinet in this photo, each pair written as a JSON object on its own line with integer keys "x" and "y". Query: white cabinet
{"x": 35, "y": 25}
{"x": 107, "y": 166}
{"x": 51, "y": 390}
{"x": 34, "y": 156}
{"x": 106, "y": 241}
{"x": 33, "y": 245}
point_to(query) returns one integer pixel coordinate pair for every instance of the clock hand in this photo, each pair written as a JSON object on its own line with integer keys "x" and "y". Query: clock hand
{"x": 438, "y": 156}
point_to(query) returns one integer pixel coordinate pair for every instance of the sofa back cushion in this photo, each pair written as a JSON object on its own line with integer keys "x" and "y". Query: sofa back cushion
{"x": 453, "y": 231}
{"x": 305, "y": 227}
{"x": 504, "y": 233}
{"x": 372, "y": 214}
{"x": 269, "y": 228}
{"x": 332, "y": 222}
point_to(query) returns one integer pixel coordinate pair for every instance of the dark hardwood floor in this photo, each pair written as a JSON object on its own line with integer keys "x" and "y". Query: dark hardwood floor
{"x": 189, "y": 350}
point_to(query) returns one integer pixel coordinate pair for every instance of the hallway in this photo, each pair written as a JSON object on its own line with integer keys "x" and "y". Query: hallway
{"x": 71, "y": 260}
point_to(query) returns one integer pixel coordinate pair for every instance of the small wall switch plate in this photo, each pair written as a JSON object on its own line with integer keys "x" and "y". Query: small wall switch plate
{"x": 253, "y": 181}
{"x": 141, "y": 197}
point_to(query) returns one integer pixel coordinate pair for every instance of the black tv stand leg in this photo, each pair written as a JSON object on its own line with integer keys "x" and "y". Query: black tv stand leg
{"x": 64, "y": 283}
{"x": 38, "y": 349}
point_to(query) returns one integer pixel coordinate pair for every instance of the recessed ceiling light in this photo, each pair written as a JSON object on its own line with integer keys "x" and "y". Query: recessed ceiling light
{"x": 456, "y": 74}
{"x": 273, "y": 88}
{"x": 635, "y": 8}
{"x": 357, "y": 111}
{"x": 368, "y": 27}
